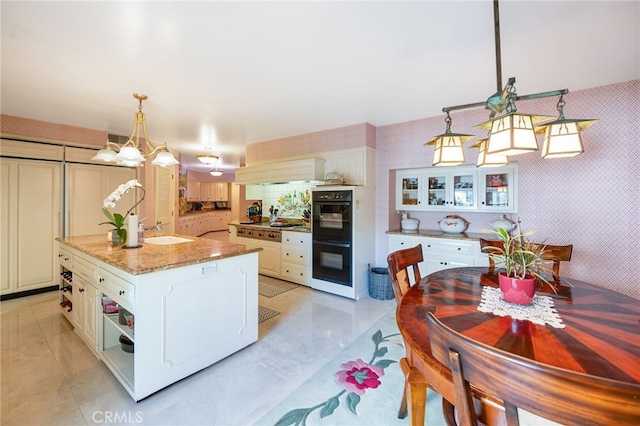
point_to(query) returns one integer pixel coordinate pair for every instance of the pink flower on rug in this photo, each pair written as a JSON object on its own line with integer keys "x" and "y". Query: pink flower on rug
{"x": 357, "y": 376}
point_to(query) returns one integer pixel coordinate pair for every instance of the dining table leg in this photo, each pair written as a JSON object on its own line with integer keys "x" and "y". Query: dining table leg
{"x": 415, "y": 393}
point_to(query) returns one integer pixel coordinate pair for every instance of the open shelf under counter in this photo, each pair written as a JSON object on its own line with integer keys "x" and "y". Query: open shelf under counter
{"x": 113, "y": 318}
{"x": 120, "y": 363}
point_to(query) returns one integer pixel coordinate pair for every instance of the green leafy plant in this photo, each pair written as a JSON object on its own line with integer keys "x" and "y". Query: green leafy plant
{"x": 117, "y": 220}
{"x": 518, "y": 257}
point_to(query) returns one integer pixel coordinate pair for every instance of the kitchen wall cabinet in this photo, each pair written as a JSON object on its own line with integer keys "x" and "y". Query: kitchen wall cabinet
{"x": 30, "y": 220}
{"x": 441, "y": 253}
{"x": 463, "y": 188}
{"x": 357, "y": 165}
{"x": 498, "y": 189}
{"x": 193, "y": 190}
{"x": 286, "y": 171}
{"x": 87, "y": 187}
{"x": 222, "y": 191}
{"x": 295, "y": 254}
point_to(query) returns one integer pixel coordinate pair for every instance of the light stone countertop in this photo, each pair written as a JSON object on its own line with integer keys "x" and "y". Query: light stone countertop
{"x": 301, "y": 227}
{"x": 436, "y": 233}
{"x": 155, "y": 257}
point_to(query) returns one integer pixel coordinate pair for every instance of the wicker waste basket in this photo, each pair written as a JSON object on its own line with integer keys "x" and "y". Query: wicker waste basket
{"x": 379, "y": 284}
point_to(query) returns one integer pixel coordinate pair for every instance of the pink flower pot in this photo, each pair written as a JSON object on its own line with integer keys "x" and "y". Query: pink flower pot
{"x": 515, "y": 290}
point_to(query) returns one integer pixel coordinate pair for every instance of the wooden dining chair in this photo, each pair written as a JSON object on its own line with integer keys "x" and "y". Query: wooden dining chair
{"x": 555, "y": 254}
{"x": 564, "y": 396}
{"x": 399, "y": 264}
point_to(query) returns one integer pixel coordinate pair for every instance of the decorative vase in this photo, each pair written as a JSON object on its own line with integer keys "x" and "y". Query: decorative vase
{"x": 115, "y": 238}
{"x": 516, "y": 290}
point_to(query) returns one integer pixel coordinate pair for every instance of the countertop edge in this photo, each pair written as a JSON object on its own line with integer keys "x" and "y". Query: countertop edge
{"x": 436, "y": 233}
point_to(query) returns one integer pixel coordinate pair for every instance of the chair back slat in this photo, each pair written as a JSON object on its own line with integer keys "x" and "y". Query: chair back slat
{"x": 399, "y": 264}
{"x": 564, "y": 396}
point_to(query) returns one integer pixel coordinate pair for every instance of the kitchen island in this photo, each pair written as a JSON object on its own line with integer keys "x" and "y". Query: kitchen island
{"x": 193, "y": 302}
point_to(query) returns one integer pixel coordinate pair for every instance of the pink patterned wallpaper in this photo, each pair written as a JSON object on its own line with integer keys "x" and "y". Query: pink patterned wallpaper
{"x": 591, "y": 201}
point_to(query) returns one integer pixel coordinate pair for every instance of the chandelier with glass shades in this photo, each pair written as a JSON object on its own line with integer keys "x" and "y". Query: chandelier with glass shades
{"x": 512, "y": 133}
{"x": 131, "y": 153}
{"x": 207, "y": 156}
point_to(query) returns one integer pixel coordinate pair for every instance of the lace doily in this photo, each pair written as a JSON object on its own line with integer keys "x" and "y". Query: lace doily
{"x": 541, "y": 310}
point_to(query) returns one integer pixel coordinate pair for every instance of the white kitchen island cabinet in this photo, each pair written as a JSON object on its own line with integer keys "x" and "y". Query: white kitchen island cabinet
{"x": 193, "y": 304}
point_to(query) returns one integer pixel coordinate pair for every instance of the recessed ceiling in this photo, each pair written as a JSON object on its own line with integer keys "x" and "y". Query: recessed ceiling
{"x": 227, "y": 74}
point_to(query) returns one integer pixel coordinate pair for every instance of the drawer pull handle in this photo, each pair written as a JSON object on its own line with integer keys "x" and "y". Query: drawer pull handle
{"x": 459, "y": 248}
{"x": 121, "y": 292}
{"x": 81, "y": 290}
{"x": 101, "y": 280}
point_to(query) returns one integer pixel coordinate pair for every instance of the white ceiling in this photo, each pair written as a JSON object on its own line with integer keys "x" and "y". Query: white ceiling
{"x": 227, "y": 74}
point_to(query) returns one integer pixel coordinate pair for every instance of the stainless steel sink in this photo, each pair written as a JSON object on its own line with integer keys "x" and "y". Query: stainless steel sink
{"x": 166, "y": 239}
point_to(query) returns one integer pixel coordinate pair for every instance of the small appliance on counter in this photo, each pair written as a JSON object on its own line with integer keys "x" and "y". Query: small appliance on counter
{"x": 254, "y": 212}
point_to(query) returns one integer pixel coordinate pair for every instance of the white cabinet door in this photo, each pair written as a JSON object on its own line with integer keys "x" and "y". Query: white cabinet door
{"x": 86, "y": 308}
{"x": 410, "y": 190}
{"x": 193, "y": 190}
{"x": 451, "y": 191}
{"x": 30, "y": 220}
{"x": 498, "y": 189}
{"x": 221, "y": 191}
{"x": 87, "y": 187}
{"x": 165, "y": 198}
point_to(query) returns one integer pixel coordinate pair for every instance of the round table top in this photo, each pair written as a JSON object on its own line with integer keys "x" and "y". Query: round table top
{"x": 601, "y": 337}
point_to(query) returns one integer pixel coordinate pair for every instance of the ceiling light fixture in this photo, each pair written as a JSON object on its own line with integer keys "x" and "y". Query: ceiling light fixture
{"x": 449, "y": 150}
{"x": 562, "y": 137}
{"x": 130, "y": 153}
{"x": 488, "y": 160}
{"x": 216, "y": 172}
{"x": 207, "y": 157}
{"x": 514, "y": 133}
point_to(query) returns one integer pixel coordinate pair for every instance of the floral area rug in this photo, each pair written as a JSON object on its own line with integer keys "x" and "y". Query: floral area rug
{"x": 362, "y": 385}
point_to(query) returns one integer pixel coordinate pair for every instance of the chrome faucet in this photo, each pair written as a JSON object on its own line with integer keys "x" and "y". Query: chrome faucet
{"x": 157, "y": 227}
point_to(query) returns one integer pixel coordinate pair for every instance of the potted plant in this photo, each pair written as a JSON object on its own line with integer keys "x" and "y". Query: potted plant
{"x": 116, "y": 219}
{"x": 522, "y": 263}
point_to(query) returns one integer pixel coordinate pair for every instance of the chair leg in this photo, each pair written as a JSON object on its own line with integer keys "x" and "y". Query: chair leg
{"x": 415, "y": 393}
{"x": 404, "y": 366}
{"x": 449, "y": 412}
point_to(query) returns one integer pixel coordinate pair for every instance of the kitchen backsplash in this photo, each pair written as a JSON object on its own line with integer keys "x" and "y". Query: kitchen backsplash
{"x": 290, "y": 199}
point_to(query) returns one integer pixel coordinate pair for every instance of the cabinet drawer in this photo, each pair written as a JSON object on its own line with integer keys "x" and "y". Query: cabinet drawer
{"x": 296, "y": 273}
{"x": 85, "y": 269}
{"x": 117, "y": 289}
{"x": 441, "y": 246}
{"x": 299, "y": 239}
{"x": 297, "y": 256}
{"x": 65, "y": 258}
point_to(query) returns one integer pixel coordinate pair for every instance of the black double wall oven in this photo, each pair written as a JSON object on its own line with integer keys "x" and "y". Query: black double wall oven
{"x": 332, "y": 234}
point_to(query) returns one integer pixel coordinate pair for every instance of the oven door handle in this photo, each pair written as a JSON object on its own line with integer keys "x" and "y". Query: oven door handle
{"x": 333, "y": 243}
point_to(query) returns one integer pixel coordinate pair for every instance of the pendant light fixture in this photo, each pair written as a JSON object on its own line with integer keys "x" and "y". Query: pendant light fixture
{"x": 514, "y": 133}
{"x": 448, "y": 146}
{"x": 216, "y": 172}
{"x": 129, "y": 154}
{"x": 562, "y": 137}
{"x": 488, "y": 160}
{"x": 207, "y": 156}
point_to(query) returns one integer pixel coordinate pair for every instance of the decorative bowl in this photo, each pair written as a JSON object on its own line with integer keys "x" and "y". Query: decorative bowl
{"x": 453, "y": 224}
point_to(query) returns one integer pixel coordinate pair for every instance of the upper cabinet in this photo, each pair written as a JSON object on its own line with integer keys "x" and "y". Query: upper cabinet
{"x": 356, "y": 165}
{"x": 193, "y": 190}
{"x": 461, "y": 188}
{"x": 286, "y": 171}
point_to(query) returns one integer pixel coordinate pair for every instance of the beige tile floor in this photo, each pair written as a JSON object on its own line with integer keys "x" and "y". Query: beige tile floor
{"x": 49, "y": 376}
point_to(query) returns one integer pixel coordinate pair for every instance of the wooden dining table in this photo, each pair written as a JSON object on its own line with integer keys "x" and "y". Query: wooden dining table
{"x": 600, "y": 337}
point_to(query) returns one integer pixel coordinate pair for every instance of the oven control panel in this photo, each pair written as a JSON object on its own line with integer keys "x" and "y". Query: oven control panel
{"x": 332, "y": 195}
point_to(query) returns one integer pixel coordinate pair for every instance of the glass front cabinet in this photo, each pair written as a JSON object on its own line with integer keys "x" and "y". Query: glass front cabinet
{"x": 461, "y": 188}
